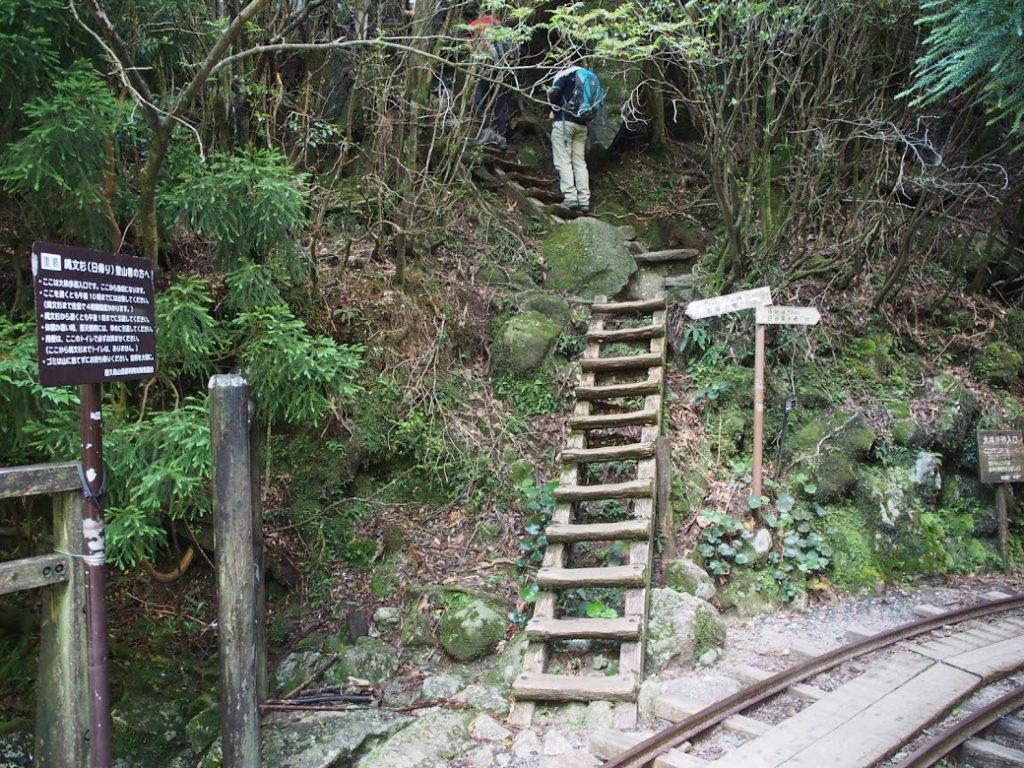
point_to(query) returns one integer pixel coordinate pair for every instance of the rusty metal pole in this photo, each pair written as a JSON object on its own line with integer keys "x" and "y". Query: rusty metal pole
{"x": 1004, "y": 526}
{"x": 95, "y": 574}
{"x": 755, "y": 485}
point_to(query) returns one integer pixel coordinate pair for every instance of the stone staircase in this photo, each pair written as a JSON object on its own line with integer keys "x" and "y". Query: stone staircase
{"x": 616, "y": 423}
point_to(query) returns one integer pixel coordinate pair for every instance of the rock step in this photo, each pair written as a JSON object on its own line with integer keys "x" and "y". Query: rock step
{"x": 626, "y": 529}
{"x": 613, "y": 420}
{"x": 634, "y": 575}
{"x": 663, "y": 257}
{"x": 677, "y": 709}
{"x": 629, "y": 307}
{"x": 650, "y": 360}
{"x": 631, "y": 489}
{"x": 607, "y": 453}
{"x": 655, "y": 330}
{"x": 749, "y": 675}
{"x": 606, "y": 744}
{"x": 646, "y": 387}
{"x": 547, "y": 687}
{"x": 625, "y": 628}
{"x": 979, "y": 753}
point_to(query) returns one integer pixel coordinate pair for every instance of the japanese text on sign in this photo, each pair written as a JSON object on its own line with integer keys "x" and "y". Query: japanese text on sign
{"x": 1001, "y": 456}
{"x": 95, "y": 315}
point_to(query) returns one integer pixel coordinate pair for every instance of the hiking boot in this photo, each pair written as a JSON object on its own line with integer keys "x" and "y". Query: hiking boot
{"x": 583, "y": 208}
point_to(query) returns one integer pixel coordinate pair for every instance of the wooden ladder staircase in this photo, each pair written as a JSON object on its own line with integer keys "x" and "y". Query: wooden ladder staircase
{"x": 609, "y": 424}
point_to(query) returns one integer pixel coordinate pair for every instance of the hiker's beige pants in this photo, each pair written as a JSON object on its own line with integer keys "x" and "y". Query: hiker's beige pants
{"x": 568, "y": 145}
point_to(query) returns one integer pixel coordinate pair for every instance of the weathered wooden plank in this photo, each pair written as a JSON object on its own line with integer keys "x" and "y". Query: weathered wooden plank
{"x": 610, "y": 576}
{"x": 62, "y": 705}
{"x": 624, "y": 628}
{"x": 606, "y": 743}
{"x": 821, "y": 718}
{"x": 612, "y": 420}
{"x": 628, "y": 334}
{"x": 747, "y": 674}
{"x": 667, "y": 256}
{"x": 1010, "y": 726}
{"x": 979, "y": 753}
{"x": 631, "y": 489}
{"x": 628, "y": 307}
{"x": 677, "y": 708}
{"x": 678, "y": 759}
{"x": 33, "y": 572}
{"x": 649, "y": 386}
{"x": 38, "y": 478}
{"x": 663, "y": 495}
{"x": 626, "y": 363}
{"x": 607, "y": 453}
{"x": 548, "y": 687}
{"x": 625, "y": 529}
{"x": 992, "y": 660}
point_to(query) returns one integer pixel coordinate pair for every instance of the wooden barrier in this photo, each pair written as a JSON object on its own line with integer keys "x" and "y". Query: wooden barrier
{"x": 62, "y": 710}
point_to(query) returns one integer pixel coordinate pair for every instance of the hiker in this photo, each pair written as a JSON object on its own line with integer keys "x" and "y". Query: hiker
{"x": 492, "y": 101}
{"x": 575, "y": 99}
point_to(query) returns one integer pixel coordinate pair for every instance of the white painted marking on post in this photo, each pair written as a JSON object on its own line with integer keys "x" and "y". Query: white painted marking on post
{"x": 90, "y": 474}
{"x": 730, "y": 302}
{"x": 96, "y": 416}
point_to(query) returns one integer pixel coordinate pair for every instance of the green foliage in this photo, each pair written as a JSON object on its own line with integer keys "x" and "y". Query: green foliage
{"x": 531, "y": 397}
{"x": 537, "y": 502}
{"x": 295, "y": 377}
{"x": 28, "y": 29}
{"x": 804, "y": 551}
{"x": 251, "y": 286}
{"x": 189, "y": 338}
{"x": 999, "y": 363}
{"x": 973, "y": 47}
{"x": 721, "y": 543}
{"x": 707, "y": 631}
{"x": 251, "y": 205}
{"x": 59, "y": 167}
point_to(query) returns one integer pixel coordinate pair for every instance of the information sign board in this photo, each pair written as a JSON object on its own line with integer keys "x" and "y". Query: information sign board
{"x": 729, "y": 302}
{"x": 94, "y": 315}
{"x": 1001, "y": 455}
{"x": 782, "y": 315}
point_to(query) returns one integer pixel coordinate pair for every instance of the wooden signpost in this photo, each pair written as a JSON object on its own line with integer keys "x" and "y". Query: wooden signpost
{"x": 1001, "y": 462}
{"x": 729, "y": 302}
{"x": 769, "y": 316}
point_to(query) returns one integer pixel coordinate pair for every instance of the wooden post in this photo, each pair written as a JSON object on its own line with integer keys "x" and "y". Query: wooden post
{"x": 755, "y": 486}
{"x": 1004, "y": 526}
{"x": 238, "y": 581}
{"x": 62, "y": 710}
{"x": 260, "y": 598}
{"x": 666, "y": 519}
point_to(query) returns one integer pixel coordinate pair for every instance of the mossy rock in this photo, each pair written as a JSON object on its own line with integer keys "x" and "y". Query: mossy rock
{"x": 835, "y": 474}
{"x": 952, "y": 431}
{"x": 472, "y": 631}
{"x": 552, "y": 307}
{"x": 999, "y": 364}
{"x": 750, "y": 593}
{"x": 203, "y": 729}
{"x": 284, "y": 623}
{"x": 840, "y": 430}
{"x": 619, "y": 80}
{"x": 369, "y": 659}
{"x": 524, "y": 343}
{"x": 855, "y": 563}
{"x": 870, "y": 357}
{"x": 683, "y": 575}
{"x": 148, "y": 730}
{"x": 587, "y": 258}
{"x": 508, "y": 664}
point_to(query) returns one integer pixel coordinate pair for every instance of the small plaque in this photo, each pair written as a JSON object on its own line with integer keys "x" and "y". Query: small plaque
{"x": 729, "y": 302}
{"x": 787, "y": 316}
{"x": 1001, "y": 455}
{"x": 94, "y": 315}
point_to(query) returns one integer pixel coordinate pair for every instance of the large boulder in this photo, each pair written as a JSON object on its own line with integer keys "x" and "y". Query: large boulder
{"x": 588, "y": 258}
{"x": 524, "y": 342}
{"x": 434, "y": 740}
{"x": 680, "y": 628}
{"x": 149, "y": 730}
{"x": 369, "y": 659}
{"x": 684, "y": 575}
{"x": 620, "y": 82}
{"x": 472, "y": 631}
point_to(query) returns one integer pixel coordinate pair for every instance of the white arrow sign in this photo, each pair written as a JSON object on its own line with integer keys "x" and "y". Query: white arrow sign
{"x": 787, "y": 316}
{"x": 730, "y": 302}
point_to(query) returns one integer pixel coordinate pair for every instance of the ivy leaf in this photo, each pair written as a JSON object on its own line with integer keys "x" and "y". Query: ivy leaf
{"x": 785, "y": 502}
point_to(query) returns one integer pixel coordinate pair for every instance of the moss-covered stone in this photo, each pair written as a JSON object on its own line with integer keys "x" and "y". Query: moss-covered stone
{"x": 369, "y": 659}
{"x": 903, "y": 432}
{"x": 150, "y": 730}
{"x": 750, "y": 593}
{"x": 552, "y": 307}
{"x": 952, "y": 431}
{"x": 835, "y": 430}
{"x": 204, "y": 728}
{"x": 834, "y": 474}
{"x": 854, "y": 561}
{"x": 472, "y": 631}
{"x": 587, "y": 258}
{"x": 683, "y": 575}
{"x": 999, "y": 363}
{"x": 620, "y": 80}
{"x": 524, "y": 343}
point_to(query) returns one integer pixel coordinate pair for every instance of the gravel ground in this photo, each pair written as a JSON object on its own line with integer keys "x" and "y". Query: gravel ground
{"x": 559, "y": 737}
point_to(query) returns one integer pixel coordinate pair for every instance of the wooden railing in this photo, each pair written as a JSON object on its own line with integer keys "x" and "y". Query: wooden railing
{"x": 62, "y": 711}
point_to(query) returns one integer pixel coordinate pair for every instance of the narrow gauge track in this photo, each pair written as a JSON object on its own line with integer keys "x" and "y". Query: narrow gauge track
{"x": 646, "y": 751}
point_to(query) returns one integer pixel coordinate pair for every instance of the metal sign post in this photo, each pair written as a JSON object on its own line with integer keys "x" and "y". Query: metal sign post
{"x": 95, "y": 323}
{"x": 769, "y": 316}
{"x": 1001, "y": 461}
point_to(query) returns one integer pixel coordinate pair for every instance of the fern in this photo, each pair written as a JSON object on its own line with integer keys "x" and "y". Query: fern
{"x": 189, "y": 339}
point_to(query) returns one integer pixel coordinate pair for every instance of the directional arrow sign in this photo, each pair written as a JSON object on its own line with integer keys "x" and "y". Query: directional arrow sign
{"x": 787, "y": 316}
{"x": 730, "y": 302}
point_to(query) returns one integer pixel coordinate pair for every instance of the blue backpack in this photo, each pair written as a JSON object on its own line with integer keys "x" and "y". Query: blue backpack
{"x": 587, "y": 96}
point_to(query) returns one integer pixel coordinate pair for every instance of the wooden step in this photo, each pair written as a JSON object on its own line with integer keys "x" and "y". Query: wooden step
{"x": 613, "y": 420}
{"x": 632, "y": 362}
{"x": 634, "y": 575}
{"x": 647, "y": 387}
{"x": 625, "y": 529}
{"x": 607, "y": 453}
{"x": 631, "y": 489}
{"x": 548, "y": 687}
{"x": 750, "y": 675}
{"x": 663, "y": 257}
{"x": 653, "y": 331}
{"x": 677, "y": 709}
{"x": 629, "y": 307}
{"x": 979, "y": 753}
{"x": 625, "y": 628}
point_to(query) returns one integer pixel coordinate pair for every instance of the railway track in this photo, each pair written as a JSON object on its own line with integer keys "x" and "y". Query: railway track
{"x": 863, "y": 722}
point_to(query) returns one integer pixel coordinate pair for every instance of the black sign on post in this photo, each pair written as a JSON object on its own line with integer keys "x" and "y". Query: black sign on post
{"x": 95, "y": 315}
{"x": 1001, "y": 455}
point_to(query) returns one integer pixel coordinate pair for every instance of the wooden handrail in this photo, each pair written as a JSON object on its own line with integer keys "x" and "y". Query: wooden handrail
{"x": 38, "y": 478}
